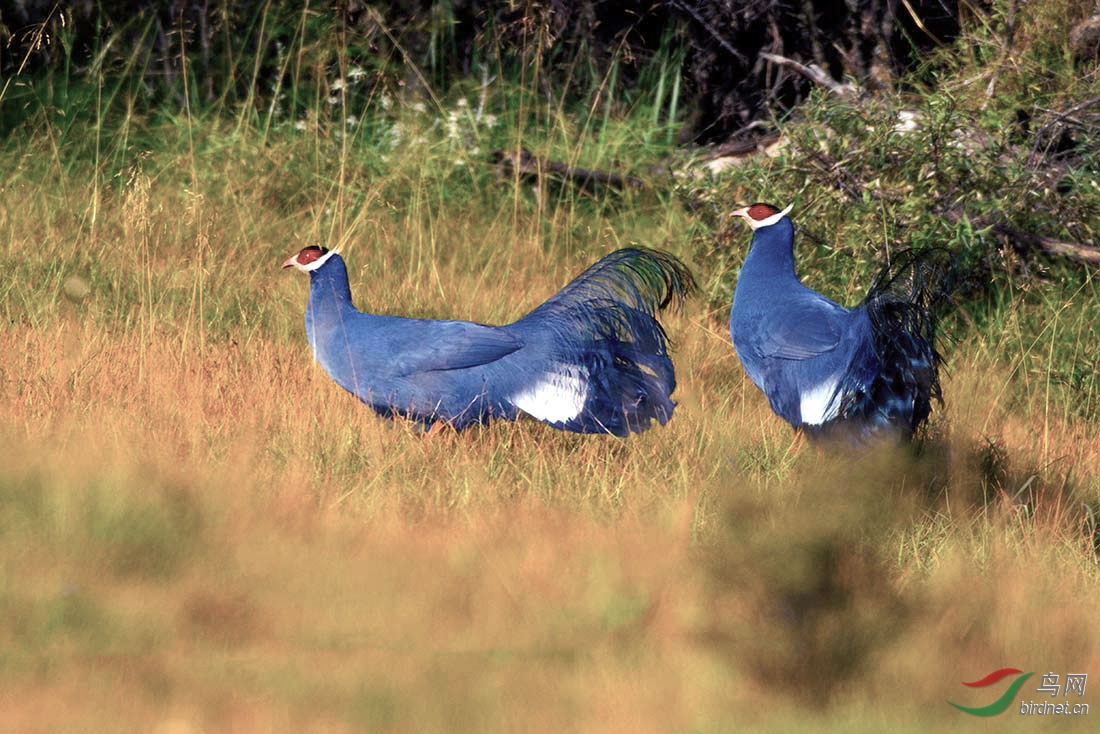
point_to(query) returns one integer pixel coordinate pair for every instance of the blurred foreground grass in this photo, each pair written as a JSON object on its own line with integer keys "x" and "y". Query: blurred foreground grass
{"x": 200, "y": 532}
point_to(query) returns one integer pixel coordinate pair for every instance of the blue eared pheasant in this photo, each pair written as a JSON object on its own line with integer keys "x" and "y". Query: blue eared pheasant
{"x": 837, "y": 372}
{"x": 592, "y": 359}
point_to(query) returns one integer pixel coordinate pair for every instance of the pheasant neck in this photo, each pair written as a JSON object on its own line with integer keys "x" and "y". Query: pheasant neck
{"x": 329, "y": 289}
{"x": 772, "y": 252}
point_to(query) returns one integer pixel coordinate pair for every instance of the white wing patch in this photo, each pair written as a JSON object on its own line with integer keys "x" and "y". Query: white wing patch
{"x": 821, "y": 402}
{"x": 555, "y": 397}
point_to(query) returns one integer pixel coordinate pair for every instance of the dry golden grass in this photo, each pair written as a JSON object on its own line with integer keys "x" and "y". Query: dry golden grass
{"x": 201, "y": 532}
{"x": 226, "y": 541}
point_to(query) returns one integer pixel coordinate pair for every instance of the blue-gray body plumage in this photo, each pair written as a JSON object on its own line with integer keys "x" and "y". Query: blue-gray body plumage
{"x": 592, "y": 359}
{"x": 825, "y": 367}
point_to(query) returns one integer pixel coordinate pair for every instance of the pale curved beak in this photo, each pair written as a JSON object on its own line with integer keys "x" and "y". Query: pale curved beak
{"x": 291, "y": 262}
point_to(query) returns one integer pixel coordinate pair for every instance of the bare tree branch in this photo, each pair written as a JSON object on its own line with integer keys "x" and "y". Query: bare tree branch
{"x": 813, "y": 72}
{"x": 679, "y": 5}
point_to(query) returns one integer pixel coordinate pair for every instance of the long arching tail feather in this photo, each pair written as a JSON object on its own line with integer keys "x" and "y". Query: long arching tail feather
{"x": 644, "y": 279}
{"x": 904, "y": 304}
{"x": 604, "y": 322}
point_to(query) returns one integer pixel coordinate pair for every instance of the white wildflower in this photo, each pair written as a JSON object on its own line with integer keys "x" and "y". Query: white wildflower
{"x": 452, "y": 125}
{"x": 907, "y": 122}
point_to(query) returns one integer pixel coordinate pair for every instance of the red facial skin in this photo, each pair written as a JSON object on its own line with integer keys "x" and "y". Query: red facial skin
{"x": 760, "y": 212}
{"x": 306, "y": 256}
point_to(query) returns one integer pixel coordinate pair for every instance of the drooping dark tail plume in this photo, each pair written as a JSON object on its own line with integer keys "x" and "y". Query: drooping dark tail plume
{"x": 904, "y": 304}
{"x": 605, "y": 320}
{"x": 644, "y": 279}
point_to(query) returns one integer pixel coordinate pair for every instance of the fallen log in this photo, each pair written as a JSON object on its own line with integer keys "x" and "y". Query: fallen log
{"x": 1059, "y": 248}
{"x": 527, "y": 165}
